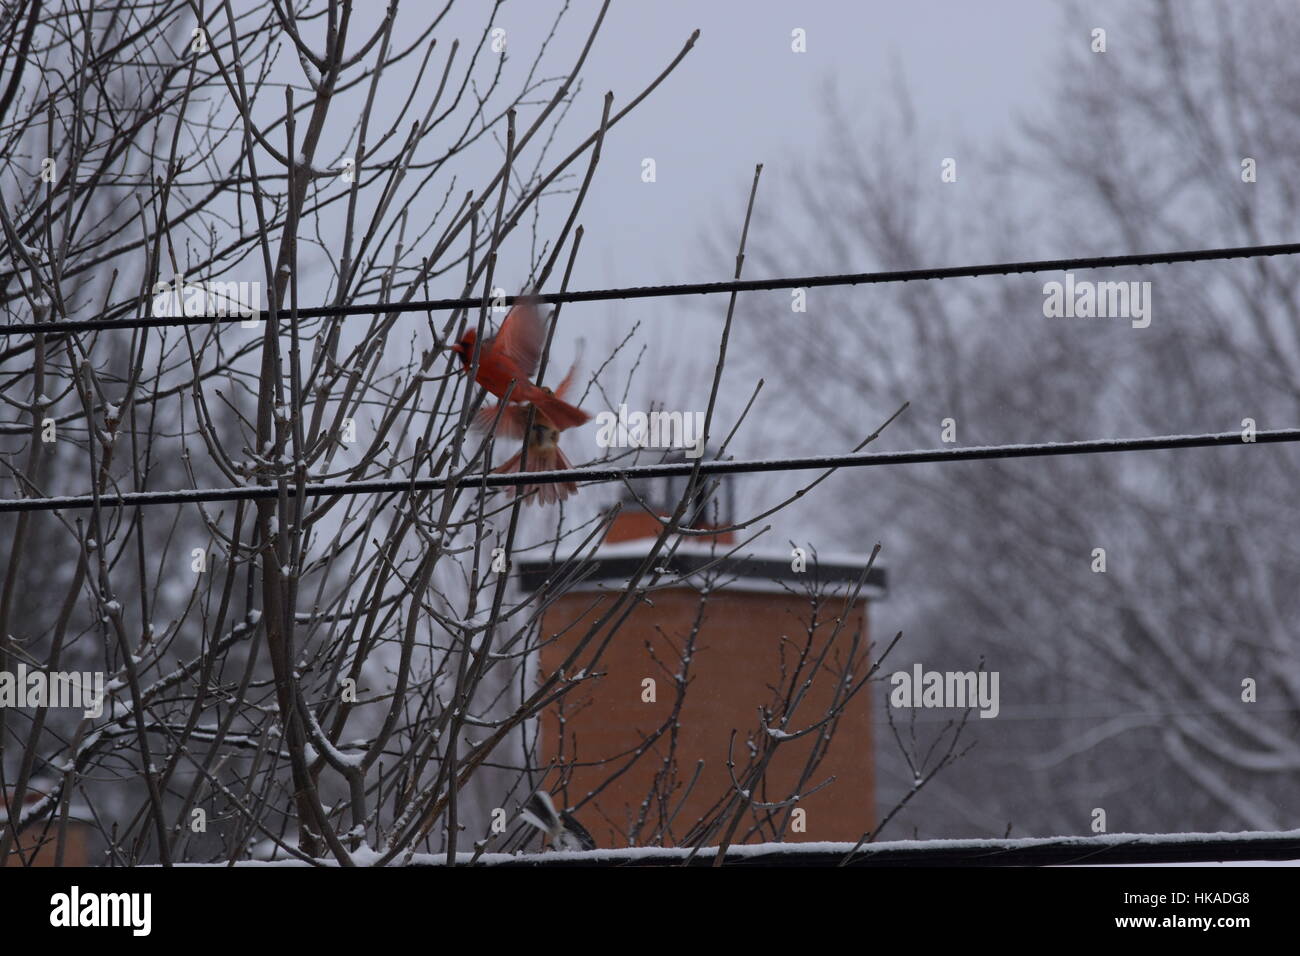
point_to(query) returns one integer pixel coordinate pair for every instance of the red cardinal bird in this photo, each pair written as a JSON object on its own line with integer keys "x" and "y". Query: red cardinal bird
{"x": 512, "y": 356}
{"x": 542, "y": 444}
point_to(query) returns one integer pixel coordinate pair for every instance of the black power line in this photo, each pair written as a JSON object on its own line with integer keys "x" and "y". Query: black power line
{"x": 675, "y": 469}
{"x": 689, "y": 288}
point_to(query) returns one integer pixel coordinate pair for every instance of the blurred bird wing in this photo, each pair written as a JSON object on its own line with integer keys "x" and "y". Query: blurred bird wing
{"x": 521, "y": 336}
{"x": 562, "y": 389}
{"x": 530, "y": 818}
{"x": 576, "y": 836}
{"x": 511, "y": 423}
{"x": 540, "y": 811}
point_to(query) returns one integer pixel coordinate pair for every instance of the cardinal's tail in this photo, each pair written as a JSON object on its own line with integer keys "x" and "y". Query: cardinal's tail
{"x": 550, "y": 459}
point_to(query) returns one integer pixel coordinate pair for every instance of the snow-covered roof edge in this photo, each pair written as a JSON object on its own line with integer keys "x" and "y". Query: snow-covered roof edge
{"x": 748, "y": 569}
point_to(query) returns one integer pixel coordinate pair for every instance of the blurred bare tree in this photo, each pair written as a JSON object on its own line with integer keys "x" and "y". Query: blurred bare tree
{"x": 1122, "y": 690}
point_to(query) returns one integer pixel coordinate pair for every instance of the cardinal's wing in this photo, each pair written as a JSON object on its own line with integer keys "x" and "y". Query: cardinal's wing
{"x": 521, "y": 337}
{"x": 562, "y": 389}
{"x": 510, "y": 425}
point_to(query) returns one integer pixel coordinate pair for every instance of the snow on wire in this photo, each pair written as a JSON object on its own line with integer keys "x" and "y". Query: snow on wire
{"x": 600, "y": 474}
{"x": 692, "y": 288}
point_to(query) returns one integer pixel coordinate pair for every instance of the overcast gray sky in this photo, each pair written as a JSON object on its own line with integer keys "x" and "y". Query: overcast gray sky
{"x": 743, "y": 96}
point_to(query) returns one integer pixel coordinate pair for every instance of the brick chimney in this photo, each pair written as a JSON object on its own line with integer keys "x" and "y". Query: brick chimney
{"x": 37, "y": 846}
{"x": 750, "y": 633}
